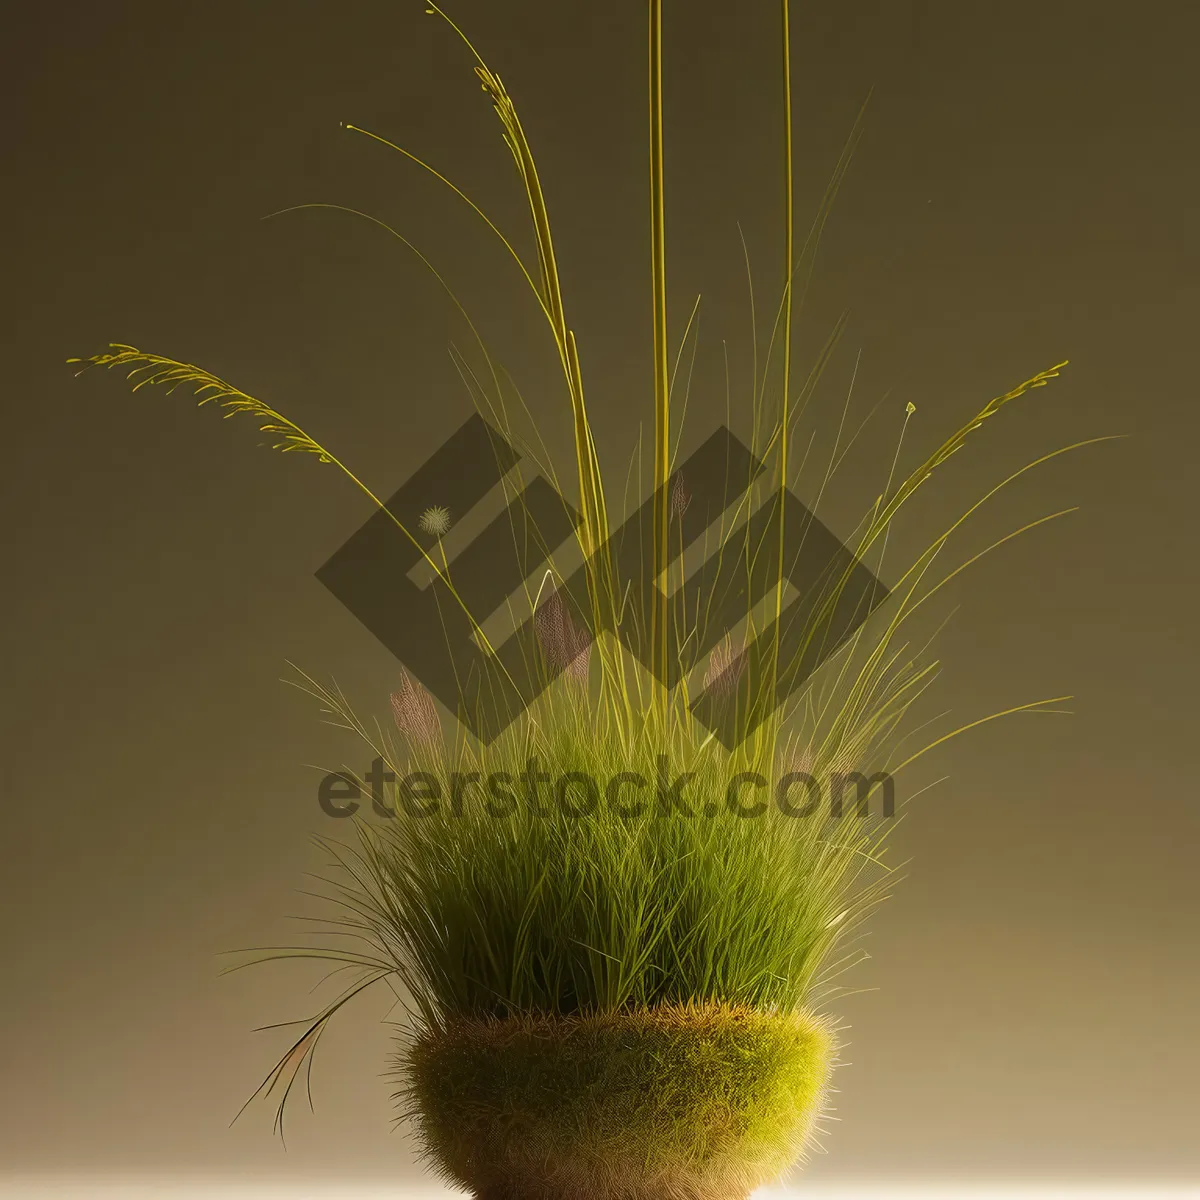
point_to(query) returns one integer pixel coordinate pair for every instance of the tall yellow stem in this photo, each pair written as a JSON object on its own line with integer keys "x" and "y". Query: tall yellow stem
{"x": 662, "y": 424}
{"x": 789, "y": 266}
{"x": 788, "y": 237}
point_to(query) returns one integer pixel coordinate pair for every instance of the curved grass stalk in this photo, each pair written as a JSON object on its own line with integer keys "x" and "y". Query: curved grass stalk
{"x": 504, "y": 241}
{"x": 395, "y": 233}
{"x": 816, "y": 371}
{"x": 594, "y": 533}
{"x": 886, "y": 509}
{"x": 299, "y": 1055}
{"x": 951, "y": 446}
{"x": 155, "y": 370}
{"x": 859, "y": 698}
{"x": 591, "y": 489}
{"x": 753, "y": 319}
{"x": 1032, "y": 706}
{"x": 495, "y": 411}
{"x": 564, "y": 338}
{"x": 995, "y": 490}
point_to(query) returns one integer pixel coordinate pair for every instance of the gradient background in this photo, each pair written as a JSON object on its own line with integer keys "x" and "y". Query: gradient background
{"x": 1024, "y": 192}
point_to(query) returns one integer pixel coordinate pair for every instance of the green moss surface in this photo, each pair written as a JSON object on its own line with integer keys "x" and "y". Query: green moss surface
{"x": 672, "y": 1102}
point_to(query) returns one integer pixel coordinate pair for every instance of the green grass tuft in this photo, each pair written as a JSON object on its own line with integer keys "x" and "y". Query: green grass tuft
{"x": 539, "y": 900}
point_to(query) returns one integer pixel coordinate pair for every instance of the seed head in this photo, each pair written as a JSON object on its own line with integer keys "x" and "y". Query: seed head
{"x": 567, "y": 647}
{"x": 725, "y": 667}
{"x": 435, "y": 520}
{"x": 414, "y": 711}
{"x": 680, "y": 497}
{"x": 799, "y": 761}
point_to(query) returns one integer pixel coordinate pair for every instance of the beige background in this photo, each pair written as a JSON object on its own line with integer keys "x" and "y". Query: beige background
{"x": 1024, "y": 192}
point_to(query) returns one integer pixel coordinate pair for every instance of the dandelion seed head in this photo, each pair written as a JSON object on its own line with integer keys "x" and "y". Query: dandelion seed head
{"x": 435, "y": 520}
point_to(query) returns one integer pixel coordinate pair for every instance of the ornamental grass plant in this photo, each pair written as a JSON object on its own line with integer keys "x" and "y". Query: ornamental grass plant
{"x": 610, "y": 987}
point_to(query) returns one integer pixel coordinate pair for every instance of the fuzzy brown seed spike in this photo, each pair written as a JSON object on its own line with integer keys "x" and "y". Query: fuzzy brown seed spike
{"x": 681, "y": 497}
{"x": 414, "y": 712}
{"x": 565, "y": 644}
{"x": 725, "y": 667}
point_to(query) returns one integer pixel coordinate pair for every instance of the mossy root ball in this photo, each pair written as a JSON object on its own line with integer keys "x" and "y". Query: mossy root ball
{"x": 701, "y": 1102}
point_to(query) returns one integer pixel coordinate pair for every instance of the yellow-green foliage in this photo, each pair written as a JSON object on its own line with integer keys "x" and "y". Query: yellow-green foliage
{"x": 670, "y": 1103}
{"x": 595, "y": 899}
{"x": 605, "y": 1007}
